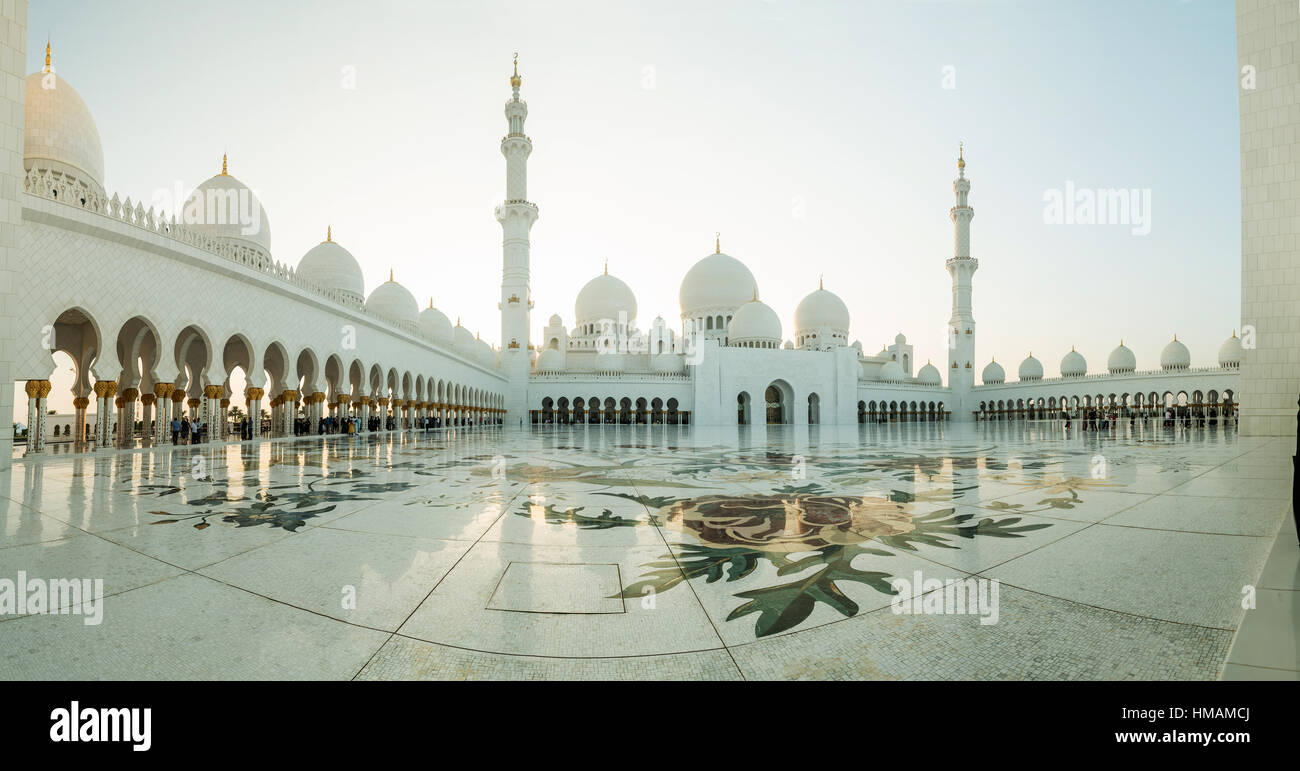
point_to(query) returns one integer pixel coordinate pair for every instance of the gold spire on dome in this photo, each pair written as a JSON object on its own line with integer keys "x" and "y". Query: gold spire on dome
{"x": 606, "y": 266}
{"x": 515, "y": 80}
{"x": 224, "y": 171}
{"x": 329, "y": 234}
{"x": 717, "y": 243}
{"x": 821, "y": 284}
{"x": 430, "y": 303}
{"x": 390, "y": 276}
{"x": 47, "y": 56}
{"x": 1234, "y": 333}
{"x": 755, "y": 295}
{"x": 961, "y": 155}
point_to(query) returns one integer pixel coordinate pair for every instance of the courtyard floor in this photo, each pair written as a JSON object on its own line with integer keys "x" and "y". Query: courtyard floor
{"x": 640, "y": 552}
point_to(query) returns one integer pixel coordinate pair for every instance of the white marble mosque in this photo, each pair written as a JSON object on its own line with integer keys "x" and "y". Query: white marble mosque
{"x": 320, "y": 345}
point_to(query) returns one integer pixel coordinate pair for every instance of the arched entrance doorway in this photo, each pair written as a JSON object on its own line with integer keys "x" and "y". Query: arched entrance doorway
{"x": 778, "y": 398}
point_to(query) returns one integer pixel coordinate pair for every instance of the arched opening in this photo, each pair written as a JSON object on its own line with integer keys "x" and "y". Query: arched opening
{"x": 742, "y": 409}
{"x": 777, "y": 397}
{"x": 814, "y": 409}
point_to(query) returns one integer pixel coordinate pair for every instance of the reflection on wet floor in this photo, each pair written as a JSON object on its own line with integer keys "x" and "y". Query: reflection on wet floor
{"x": 678, "y": 551}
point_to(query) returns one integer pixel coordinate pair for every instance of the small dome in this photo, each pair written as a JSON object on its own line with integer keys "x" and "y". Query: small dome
{"x": 1073, "y": 364}
{"x": 821, "y": 309}
{"x": 1031, "y": 369}
{"x": 1121, "y": 360}
{"x": 993, "y": 373}
{"x": 393, "y": 301}
{"x": 892, "y": 372}
{"x": 435, "y": 325}
{"x": 668, "y": 364}
{"x": 551, "y": 360}
{"x": 556, "y": 321}
{"x": 755, "y": 322}
{"x": 225, "y": 208}
{"x": 929, "y": 375}
{"x": 462, "y": 340}
{"x": 1175, "y": 356}
{"x": 717, "y": 282}
{"x": 899, "y": 339}
{"x": 1230, "y": 352}
{"x": 333, "y": 267}
{"x": 789, "y": 345}
{"x": 483, "y": 352}
{"x": 604, "y": 297}
{"x": 59, "y": 133}
{"x": 857, "y": 346}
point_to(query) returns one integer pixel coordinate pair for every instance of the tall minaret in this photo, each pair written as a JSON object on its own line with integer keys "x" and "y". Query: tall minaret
{"x": 961, "y": 327}
{"x": 516, "y": 216}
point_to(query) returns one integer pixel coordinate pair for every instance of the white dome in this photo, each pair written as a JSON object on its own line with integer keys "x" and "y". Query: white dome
{"x": 899, "y": 339}
{"x": 59, "y": 133}
{"x": 1230, "y": 352}
{"x": 1175, "y": 356}
{"x": 993, "y": 373}
{"x": 1121, "y": 360}
{"x": 789, "y": 345}
{"x": 718, "y": 282}
{"x": 435, "y": 325}
{"x": 224, "y": 207}
{"x": 484, "y": 353}
{"x": 668, "y": 363}
{"x": 604, "y": 297}
{"x": 462, "y": 339}
{"x": 333, "y": 267}
{"x": 556, "y": 321}
{"x": 929, "y": 375}
{"x": 1073, "y": 364}
{"x": 821, "y": 309}
{"x": 392, "y": 301}
{"x": 892, "y": 372}
{"x": 1031, "y": 369}
{"x": 754, "y": 322}
{"x": 551, "y": 360}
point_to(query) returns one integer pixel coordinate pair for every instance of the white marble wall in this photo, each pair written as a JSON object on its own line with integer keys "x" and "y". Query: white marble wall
{"x": 13, "y": 66}
{"x": 1268, "y": 40}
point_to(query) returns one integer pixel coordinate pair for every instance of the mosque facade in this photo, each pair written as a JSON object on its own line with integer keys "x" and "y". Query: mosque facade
{"x": 312, "y": 342}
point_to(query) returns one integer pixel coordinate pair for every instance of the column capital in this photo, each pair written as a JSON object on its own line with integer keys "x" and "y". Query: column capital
{"x": 148, "y": 399}
{"x": 81, "y": 402}
{"x": 100, "y": 388}
{"x": 178, "y": 395}
{"x": 254, "y": 393}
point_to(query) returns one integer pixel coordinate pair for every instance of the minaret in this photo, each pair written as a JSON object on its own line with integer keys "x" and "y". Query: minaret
{"x": 961, "y": 327}
{"x": 516, "y": 216}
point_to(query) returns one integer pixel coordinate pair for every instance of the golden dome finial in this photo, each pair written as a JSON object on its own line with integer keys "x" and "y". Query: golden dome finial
{"x": 515, "y": 80}
{"x": 224, "y": 172}
{"x": 755, "y": 295}
{"x": 390, "y": 276}
{"x": 1234, "y": 333}
{"x": 329, "y": 233}
{"x": 47, "y": 55}
{"x": 821, "y": 283}
{"x": 717, "y": 242}
{"x": 606, "y": 266}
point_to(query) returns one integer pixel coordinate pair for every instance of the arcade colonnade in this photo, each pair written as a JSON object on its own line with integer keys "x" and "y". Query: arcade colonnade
{"x": 138, "y": 402}
{"x": 1196, "y": 402}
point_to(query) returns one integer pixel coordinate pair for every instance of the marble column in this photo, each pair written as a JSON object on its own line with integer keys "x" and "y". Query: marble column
{"x": 147, "y": 430}
{"x": 162, "y": 423}
{"x": 178, "y": 405}
{"x": 127, "y": 421}
{"x": 110, "y": 395}
{"x": 255, "y": 411}
{"x": 79, "y": 406}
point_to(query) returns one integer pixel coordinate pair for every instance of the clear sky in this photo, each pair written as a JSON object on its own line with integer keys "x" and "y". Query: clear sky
{"x": 818, "y": 137}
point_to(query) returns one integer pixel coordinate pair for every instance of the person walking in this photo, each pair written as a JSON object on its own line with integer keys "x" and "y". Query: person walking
{"x": 176, "y": 430}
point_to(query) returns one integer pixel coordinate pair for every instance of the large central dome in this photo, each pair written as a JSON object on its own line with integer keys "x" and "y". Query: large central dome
{"x": 605, "y": 297}
{"x": 717, "y": 283}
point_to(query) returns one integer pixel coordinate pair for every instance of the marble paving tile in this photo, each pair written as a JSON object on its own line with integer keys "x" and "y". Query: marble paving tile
{"x": 206, "y": 631}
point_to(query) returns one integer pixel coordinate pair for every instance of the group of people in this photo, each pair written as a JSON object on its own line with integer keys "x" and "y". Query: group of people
{"x": 185, "y": 431}
{"x": 1101, "y": 420}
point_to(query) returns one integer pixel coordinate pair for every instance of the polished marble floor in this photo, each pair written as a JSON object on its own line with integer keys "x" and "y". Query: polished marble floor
{"x": 658, "y": 552}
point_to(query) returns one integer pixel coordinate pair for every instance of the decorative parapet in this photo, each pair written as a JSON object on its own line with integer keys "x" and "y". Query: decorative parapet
{"x": 53, "y": 187}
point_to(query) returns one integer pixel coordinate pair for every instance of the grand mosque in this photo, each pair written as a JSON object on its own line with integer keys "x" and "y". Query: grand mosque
{"x": 320, "y": 345}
